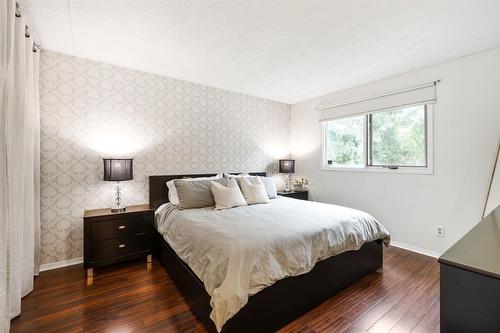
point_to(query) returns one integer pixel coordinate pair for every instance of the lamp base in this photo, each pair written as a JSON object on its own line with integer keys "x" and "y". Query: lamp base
{"x": 287, "y": 184}
{"x": 118, "y": 207}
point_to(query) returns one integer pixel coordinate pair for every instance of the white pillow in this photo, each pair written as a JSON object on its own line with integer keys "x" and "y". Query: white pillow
{"x": 270, "y": 186}
{"x": 254, "y": 193}
{"x": 172, "y": 191}
{"x": 268, "y": 182}
{"x": 227, "y": 196}
{"x": 236, "y": 174}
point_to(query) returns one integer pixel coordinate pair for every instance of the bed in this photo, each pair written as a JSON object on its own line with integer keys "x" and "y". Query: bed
{"x": 277, "y": 291}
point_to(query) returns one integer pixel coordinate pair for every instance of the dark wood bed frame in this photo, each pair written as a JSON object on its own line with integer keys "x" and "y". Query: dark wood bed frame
{"x": 278, "y": 304}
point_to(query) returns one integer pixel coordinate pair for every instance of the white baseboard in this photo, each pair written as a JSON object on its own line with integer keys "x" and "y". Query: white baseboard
{"x": 60, "y": 264}
{"x": 416, "y": 249}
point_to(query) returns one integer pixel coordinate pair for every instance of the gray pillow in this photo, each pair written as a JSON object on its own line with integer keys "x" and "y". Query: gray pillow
{"x": 196, "y": 194}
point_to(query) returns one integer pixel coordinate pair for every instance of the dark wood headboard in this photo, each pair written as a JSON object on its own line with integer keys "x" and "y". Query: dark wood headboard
{"x": 158, "y": 190}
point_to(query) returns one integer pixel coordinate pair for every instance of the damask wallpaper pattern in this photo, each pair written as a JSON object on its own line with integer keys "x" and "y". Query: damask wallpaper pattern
{"x": 91, "y": 110}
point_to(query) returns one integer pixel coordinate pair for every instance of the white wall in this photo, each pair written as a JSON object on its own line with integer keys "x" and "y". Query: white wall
{"x": 466, "y": 135}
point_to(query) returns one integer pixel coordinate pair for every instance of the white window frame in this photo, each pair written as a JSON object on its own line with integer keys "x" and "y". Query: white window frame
{"x": 427, "y": 170}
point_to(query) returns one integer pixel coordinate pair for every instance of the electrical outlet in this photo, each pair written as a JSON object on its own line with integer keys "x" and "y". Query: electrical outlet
{"x": 439, "y": 231}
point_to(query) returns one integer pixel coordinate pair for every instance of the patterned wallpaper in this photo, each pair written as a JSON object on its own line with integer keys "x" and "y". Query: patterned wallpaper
{"x": 91, "y": 110}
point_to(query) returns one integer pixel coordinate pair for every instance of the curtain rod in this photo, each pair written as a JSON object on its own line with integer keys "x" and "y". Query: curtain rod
{"x": 26, "y": 29}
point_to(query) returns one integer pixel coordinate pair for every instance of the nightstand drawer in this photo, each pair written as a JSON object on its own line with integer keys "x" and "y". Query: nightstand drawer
{"x": 302, "y": 195}
{"x": 124, "y": 227}
{"x": 120, "y": 247}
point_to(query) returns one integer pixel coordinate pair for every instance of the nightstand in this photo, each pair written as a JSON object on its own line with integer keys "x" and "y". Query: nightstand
{"x": 302, "y": 195}
{"x": 115, "y": 237}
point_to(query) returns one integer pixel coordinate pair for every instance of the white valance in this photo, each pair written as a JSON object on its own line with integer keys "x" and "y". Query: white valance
{"x": 329, "y": 108}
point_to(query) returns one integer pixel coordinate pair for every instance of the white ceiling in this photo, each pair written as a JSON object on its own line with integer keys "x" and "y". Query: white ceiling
{"x": 283, "y": 50}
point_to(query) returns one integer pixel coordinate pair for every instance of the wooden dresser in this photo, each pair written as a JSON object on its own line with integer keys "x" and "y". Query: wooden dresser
{"x": 470, "y": 280}
{"x": 114, "y": 237}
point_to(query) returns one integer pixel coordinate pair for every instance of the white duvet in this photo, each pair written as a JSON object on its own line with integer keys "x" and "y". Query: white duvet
{"x": 239, "y": 251}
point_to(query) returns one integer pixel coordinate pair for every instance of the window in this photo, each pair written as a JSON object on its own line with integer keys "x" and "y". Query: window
{"x": 345, "y": 142}
{"x": 396, "y": 140}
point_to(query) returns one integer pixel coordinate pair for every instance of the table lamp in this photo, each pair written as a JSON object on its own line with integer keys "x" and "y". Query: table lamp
{"x": 287, "y": 167}
{"x": 117, "y": 170}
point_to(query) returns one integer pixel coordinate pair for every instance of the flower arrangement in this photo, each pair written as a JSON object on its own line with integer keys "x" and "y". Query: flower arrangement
{"x": 299, "y": 183}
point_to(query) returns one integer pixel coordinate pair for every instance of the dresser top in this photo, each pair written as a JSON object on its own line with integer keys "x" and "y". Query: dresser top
{"x": 107, "y": 211}
{"x": 479, "y": 250}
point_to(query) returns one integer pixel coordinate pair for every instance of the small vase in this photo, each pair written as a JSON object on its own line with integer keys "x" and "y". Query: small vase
{"x": 297, "y": 188}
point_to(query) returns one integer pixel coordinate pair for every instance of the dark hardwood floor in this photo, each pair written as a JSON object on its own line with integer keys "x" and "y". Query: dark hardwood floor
{"x": 403, "y": 296}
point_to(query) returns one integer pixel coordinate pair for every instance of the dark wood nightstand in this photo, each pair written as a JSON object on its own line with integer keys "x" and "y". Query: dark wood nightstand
{"x": 302, "y": 195}
{"x": 114, "y": 237}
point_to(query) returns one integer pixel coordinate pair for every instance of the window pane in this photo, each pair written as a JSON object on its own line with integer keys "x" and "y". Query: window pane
{"x": 398, "y": 137}
{"x": 345, "y": 142}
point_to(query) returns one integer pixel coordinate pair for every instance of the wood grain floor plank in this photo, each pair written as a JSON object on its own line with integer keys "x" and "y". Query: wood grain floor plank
{"x": 386, "y": 289}
{"x": 130, "y": 297}
{"x": 430, "y": 322}
{"x": 369, "y": 291}
{"x": 414, "y": 293}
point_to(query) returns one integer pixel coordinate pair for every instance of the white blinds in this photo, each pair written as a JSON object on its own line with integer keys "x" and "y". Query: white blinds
{"x": 329, "y": 108}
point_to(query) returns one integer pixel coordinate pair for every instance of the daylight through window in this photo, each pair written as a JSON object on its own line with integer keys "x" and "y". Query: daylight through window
{"x": 388, "y": 139}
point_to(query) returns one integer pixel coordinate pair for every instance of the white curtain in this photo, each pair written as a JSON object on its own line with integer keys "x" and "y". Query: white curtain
{"x": 20, "y": 164}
